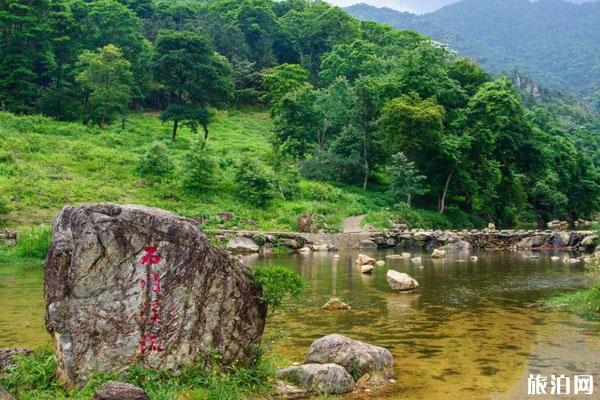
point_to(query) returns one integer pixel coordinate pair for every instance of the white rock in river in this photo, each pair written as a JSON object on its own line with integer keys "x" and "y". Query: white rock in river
{"x": 474, "y": 258}
{"x": 400, "y": 282}
{"x": 437, "y": 253}
{"x": 555, "y": 258}
{"x": 363, "y": 259}
{"x": 380, "y": 263}
{"x": 417, "y": 260}
{"x": 304, "y": 250}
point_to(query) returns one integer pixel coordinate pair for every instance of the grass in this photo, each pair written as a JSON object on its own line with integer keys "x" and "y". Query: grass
{"x": 585, "y": 303}
{"x": 32, "y": 244}
{"x": 33, "y": 377}
{"x": 47, "y": 164}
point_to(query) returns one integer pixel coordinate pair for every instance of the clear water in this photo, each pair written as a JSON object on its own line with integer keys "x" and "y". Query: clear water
{"x": 473, "y": 330}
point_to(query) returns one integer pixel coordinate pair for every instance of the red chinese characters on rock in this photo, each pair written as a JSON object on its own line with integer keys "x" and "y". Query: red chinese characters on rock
{"x": 150, "y": 342}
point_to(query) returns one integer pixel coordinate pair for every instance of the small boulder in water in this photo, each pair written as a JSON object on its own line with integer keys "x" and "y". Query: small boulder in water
{"x": 326, "y": 378}
{"x": 400, "y": 281}
{"x": 416, "y": 260}
{"x": 380, "y": 263}
{"x": 474, "y": 258}
{"x": 363, "y": 259}
{"x": 335, "y": 304}
{"x": 438, "y": 253}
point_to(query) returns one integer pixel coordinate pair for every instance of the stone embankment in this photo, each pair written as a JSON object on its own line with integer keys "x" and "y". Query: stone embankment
{"x": 265, "y": 242}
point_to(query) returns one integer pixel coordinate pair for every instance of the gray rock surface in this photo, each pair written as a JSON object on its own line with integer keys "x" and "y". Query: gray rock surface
{"x": 356, "y": 357}
{"x": 4, "y": 395}
{"x": 242, "y": 245}
{"x": 326, "y": 378}
{"x": 136, "y": 285}
{"x": 119, "y": 391}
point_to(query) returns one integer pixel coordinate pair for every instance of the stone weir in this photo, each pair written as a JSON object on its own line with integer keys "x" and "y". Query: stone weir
{"x": 265, "y": 242}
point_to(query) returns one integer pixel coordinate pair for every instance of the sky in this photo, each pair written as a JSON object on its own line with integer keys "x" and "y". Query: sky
{"x": 413, "y": 6}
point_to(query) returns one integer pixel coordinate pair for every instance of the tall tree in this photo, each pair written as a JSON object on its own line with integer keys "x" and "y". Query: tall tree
{"x": 405, "y": 180}
{"x": 106, "y": 77}
{"x": 194, "y": 77}
{"x": 25, "y": 55}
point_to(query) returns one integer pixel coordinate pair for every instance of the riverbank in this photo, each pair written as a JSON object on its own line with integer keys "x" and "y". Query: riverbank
{"x": 496, "y": 240}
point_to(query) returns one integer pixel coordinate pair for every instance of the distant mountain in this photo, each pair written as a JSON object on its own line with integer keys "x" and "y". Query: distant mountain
{"x": 555, "y": 42}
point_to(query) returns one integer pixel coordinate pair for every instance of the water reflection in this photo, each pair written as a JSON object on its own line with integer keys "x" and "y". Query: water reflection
{"x": 472, "y": 329}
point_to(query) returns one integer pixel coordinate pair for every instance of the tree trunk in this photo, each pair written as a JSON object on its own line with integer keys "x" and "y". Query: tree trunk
{"x": 408, "y": 199}
{"x": 443, "y": 199}
{"x": 365, "y": 160}
{"x": 174, "y": 134}
{"x": 123, "y": 124}
{"x": 205, "y": 127}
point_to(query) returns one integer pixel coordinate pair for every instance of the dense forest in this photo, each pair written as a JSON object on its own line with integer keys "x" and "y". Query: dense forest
{"x": 555, "y": 42}
{"x": 352, "y": 102}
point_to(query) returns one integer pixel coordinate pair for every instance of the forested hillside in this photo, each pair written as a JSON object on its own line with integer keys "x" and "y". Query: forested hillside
{"x": 553, "y": 41}
{"x": 358, "y": 105}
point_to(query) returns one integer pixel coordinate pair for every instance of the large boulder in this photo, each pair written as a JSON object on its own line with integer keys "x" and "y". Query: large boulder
{"x": 136, "y": 285}
{"x": 356, "y": 357}
{"x": 119, "y": 391}
{"x": 401, "y": 282}
{"x": 318, "y": 378}
{"x": 242, "y": 244}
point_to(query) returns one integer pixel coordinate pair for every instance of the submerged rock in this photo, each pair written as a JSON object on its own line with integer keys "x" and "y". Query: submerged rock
{"x": 242, "y": 245}
{"x": 366, "y": 269}
{"x": 321, "y": 378}
{"x": 400, "y": 282}
{"x": 356, "y": 357}
{"x": 131, "y": 285}
{"x": 119, "y": 391}
{"x": 335, "y": 304}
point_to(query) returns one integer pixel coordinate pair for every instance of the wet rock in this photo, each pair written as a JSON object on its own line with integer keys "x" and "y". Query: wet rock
{"x": 367, "y": 244}
{"x": 356, "y": 357}
{"x": 131, "y": 285}
{"x": 380, "y": 263}
{"x": 305, "y": 249}
{"x": 416, "y": 260}
{"x": 363, "y": 259}
{"x": 391, "y": 242}
{"x": 6, "y": 356}
{"x": 119, "y": 391}
{"x": 284, "y": 390}
{"x": 438, "y": 253}
{"x": 559, "y": 239}
{"x": 335, "y": 304}
{"x": 400, "y": 282}
{"x": 366, "y": 269}
{"x": 474, "y": 258}
{"x": 242, "y": 245}
{"x": 322, "y": 378}
{"x": 320, "y": 247}
{"x": 530, "y": 242}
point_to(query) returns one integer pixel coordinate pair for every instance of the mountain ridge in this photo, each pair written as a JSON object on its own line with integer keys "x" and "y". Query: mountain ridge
{"x": 555, "y": 42}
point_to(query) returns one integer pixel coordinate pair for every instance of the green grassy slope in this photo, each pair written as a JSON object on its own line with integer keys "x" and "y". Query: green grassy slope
{"x": 45, "y": 165}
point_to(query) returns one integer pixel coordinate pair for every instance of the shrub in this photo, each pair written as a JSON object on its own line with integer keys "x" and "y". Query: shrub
{"x": 33, "y": 243}
{"x": 254, "y": 183}
{"x": 156, "y": 161}
{"x": 198, "y": 168}
{"x": 4, "y": 208}
{"x": 277, "y": 284}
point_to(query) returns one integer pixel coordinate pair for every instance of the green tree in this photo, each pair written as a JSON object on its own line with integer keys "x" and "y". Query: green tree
{"x": 106, "y": 77}
{"x": 25, "y": 55}
{"x": 193, "y": 76}
{"x": 405, "y": 180}
{"x": 281, "y": 80}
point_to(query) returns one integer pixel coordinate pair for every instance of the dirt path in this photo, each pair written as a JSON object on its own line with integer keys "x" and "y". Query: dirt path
{"x": 353, "y": 224}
